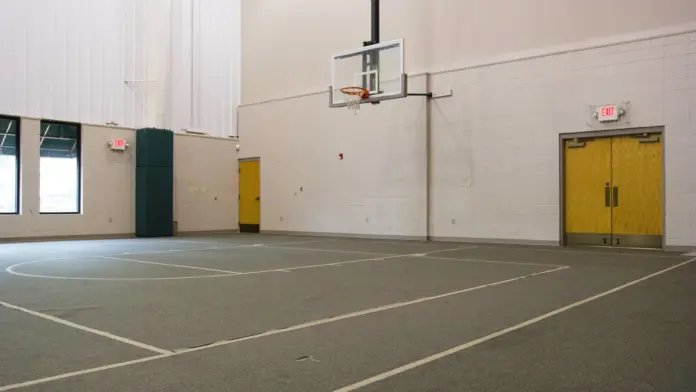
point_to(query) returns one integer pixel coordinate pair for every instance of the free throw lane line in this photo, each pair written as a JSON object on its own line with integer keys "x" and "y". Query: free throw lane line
{"x": 86, "y": 329}
{"x": 454, "y": 350}
{"x": 297, "y": 327}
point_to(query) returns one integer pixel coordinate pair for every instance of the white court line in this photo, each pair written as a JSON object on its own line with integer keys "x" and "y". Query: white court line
{"x": 491, "y": 261}
{"x": 367, "y": 253}
{"x": 297, "y": 327}
{"x": 10, "y": 270}
{"x": 567, "y": 250}
{"x": 174, "y": 250}
{"x": 454, "y": 350}
{"x": 325, "y": 250}
{"x": 86, "y": 329}
{"x": 201, "y": 249}
{"x": 171, "y": 265}
{"x": 340, "y": 263}
{"x": 81, "y": 372}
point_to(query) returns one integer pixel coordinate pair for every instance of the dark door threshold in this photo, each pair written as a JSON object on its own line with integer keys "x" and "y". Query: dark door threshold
{"x": 248, "y": 228}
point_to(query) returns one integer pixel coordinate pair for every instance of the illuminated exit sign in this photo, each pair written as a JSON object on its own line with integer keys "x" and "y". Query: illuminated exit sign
{"x": 118, "y": 144}
{"x": 608, "y": 113}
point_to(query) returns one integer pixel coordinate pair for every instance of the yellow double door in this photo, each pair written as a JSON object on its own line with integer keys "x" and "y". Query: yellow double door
{"x": 613, "y": 191}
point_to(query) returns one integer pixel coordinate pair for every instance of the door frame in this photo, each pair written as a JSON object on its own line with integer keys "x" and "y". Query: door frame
{"x": 602, "y": 134}
{"x": 239, "y": 190}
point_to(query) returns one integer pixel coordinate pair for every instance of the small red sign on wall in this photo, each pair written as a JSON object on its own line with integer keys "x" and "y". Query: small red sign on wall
{"x": 608, "y": 113}
{"x": 118, "y": 144}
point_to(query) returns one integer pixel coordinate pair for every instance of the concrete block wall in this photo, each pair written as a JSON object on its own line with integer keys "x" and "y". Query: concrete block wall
{"x": 379, "y": 188}
{"x": 495, "y": 143}
{"x": 494, "y": 151}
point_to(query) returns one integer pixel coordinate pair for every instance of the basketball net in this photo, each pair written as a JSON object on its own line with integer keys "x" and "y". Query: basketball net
{"x": 354, "y": 95}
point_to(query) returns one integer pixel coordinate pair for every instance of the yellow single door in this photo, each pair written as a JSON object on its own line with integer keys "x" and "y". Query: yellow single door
{"x": 249, "y": 196}
{"x": 637, "y": 191}
{"x": 587, "y": 182}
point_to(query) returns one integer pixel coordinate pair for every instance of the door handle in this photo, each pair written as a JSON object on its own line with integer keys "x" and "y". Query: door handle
{"x": 257, "y": 198}
{"x": 607, "y": 196}
{"x": 616, "y": 196}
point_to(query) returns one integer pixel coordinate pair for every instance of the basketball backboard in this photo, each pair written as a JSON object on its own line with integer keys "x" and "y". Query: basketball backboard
{"x": 377, "y": 68}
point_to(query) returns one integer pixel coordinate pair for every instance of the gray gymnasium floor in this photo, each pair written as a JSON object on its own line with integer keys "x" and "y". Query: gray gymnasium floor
{"x": 281, "y": 313}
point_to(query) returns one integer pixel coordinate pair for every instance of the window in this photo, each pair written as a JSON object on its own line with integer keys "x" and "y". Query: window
{"x": 9, "y": 165}
{"x": 60, "y": 168}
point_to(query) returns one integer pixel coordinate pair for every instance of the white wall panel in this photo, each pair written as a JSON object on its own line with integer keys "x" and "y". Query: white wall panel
{"x": 205, "y": 65}
{"x": 137, "y": 63}
{"x": 68, "y": 60}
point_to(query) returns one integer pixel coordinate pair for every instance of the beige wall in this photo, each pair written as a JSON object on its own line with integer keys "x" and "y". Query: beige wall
{"x": 108, "y": 190}
{"x": 205, "y": 183}
{"x": 286, "y": 45}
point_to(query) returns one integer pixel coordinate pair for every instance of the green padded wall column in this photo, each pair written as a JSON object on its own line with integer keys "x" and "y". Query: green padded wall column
{"x": 154, "y": 183}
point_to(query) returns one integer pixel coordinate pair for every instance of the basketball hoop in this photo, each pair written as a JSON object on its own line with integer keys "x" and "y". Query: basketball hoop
{"x": 354, "y": 95}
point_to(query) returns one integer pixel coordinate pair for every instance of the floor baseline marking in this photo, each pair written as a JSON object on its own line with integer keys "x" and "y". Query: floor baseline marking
{"x": 86, "y": 329}
{"x": 454, "y": 350}
{"x": 297, "y": 327}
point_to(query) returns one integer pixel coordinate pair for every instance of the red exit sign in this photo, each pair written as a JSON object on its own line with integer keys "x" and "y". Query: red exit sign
{"x": 118, "y": 144}
{"x": 608, "y": 113}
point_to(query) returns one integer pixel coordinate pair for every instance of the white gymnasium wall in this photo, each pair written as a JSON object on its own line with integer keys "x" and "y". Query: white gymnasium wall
{"x": 108, "y": 187}
{"x": 137, "y": 63}
{"x": 287, "y": 44}
{"x": 379, "y": 188}
{"x": 494, "y": 150}
{"x": 495, "y": 144}
{"x": 70, "y": 60}
{"x": 205, "y": 65}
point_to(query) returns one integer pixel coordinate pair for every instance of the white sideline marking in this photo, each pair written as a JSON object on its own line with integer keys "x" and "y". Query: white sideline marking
{"x": 497, "y": 334}
{"x": 171, "y": 265}
{"x": 86, "y": 329}
{"x": 273, "y": 332}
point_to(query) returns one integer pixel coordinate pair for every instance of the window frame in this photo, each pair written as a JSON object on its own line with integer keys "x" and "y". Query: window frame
{"x": 78, "y": 155}
{"x": 18, "y": 170}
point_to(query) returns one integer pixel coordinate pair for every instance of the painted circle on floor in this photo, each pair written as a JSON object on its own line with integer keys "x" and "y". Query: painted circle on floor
{"x": 12, "y": 270}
